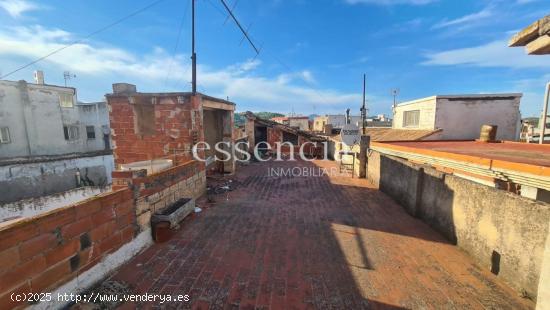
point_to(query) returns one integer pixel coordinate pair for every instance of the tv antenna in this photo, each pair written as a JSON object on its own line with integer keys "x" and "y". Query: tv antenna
{"x": 394, "y": 93}
{"x": 364, "y": 106}
{"x": 67, "y": 76}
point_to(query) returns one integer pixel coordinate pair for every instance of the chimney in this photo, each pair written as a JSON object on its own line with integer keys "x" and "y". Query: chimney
{"x": 124, "y": 88}
{"x": 488, "y": 133}
{"x": 39, "y": 77}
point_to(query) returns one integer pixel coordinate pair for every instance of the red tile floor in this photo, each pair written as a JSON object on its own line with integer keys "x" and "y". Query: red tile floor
{"x": 311, "y": 243}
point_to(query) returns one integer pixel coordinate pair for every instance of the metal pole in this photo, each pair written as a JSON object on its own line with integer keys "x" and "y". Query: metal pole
{"x": 542, "y": 125}
{"x": 364, "y": 108}
{"x": 193, "y": 55}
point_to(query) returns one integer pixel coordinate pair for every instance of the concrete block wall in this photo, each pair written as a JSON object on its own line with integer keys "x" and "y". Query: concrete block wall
{"x": 503, "y": 232}
{"x": 158, "y": 191}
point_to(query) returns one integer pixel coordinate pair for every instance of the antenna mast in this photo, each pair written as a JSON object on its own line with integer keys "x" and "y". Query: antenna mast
{"x": 193, "y": 54}
{"x": 364, "y": 108}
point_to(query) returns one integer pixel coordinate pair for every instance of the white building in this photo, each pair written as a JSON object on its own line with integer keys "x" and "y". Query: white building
{"x": 460, "y": 117}
{"x": 39, "y": 119}
{"x": 336, "y": 120}
{"x": 50, "y": 142}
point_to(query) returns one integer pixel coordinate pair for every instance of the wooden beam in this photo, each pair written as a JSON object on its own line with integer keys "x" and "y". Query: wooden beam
{"x": 525, "y": 36}
{"x": 540, "y": 46}
{"x": 544, "y": 26}
{"x": 209, "y": 104}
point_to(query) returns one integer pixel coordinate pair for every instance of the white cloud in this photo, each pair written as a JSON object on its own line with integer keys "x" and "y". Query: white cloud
{"x": 493, "y": 54}
{"x": 238, "y": 81}
{"x": 391, "y": 2}
{"x": 15, "y": 8}
{"x": 467, "y": 19}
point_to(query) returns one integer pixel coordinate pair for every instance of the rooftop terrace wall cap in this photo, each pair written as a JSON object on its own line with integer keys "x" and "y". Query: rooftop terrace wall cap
{"x": 465, "y": 96}
{"x": 169, "y": 94}
{"x": 39, "y": 85}
{"x": 480, "y": 96}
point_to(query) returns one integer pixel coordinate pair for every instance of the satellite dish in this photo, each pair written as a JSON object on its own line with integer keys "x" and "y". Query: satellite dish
{"x": 350, "y": 134}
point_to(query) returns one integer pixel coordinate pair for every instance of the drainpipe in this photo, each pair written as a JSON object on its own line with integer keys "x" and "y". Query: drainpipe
{"x": 77, "y": 177}
{"x": 25, "y": 103}
{"x": 544, "y": 114}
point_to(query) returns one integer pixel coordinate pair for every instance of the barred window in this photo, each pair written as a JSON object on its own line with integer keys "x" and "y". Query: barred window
{"x": 5, "y": 135}
{"x": 90, "y": 132}
{"x": 70, "y": 132}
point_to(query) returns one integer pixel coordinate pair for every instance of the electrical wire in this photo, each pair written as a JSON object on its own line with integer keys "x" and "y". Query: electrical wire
{"x": 84, "y": 38}
{"x": 178, "y": 37}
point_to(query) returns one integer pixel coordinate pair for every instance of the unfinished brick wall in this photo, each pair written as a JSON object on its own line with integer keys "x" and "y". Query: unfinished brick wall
{"x": 158, "y": 191}
{"x": 152, "y": 126}
{"x": 39, "y": 254}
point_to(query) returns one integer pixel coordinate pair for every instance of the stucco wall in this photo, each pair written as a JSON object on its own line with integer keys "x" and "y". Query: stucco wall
{"x": 35, "y": 206}
{"x": 462, "y": 119}
{"x": 35, "y": 121}
{"x": 427, "y": 113}
{"x": 301, "y": 123}
{"x": 503, "y": 232}
{"x": 20, "y": 181}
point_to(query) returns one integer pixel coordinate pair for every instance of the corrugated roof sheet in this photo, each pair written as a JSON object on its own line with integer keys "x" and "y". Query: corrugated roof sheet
{"x": 384, "y": 134}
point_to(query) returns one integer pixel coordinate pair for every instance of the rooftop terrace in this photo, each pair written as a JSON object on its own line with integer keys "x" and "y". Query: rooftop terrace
{"x": 312, "y": 242}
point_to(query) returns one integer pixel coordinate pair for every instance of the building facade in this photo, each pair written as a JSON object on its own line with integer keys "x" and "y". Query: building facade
{"x": 296, "y": 122}
{"x": 336, "y": 120}
{"x": 460, "y": 117}
{"x": 47, "y": 120}
{"x": 50, "y": 142}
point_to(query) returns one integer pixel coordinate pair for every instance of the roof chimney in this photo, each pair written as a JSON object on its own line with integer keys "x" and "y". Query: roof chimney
{"x": 39, "y": 77}
{"x": 124, "y": 88}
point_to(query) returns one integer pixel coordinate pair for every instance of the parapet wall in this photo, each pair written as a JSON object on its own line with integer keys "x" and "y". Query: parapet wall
{"x": 67, "y": 250}
{"x": 38, "y": 178}
{"x": 503, "y": 232}
{"x": 41, "y": 253}
{"x": 155, "y": 192}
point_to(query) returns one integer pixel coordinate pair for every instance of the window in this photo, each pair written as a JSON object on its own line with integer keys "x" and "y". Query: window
{"x": 90, "y": 132}
{"x": 71, "y": 132}
{"x": 289, "y": 137}
{"x": 5, "y": 135}
{"x": 65, "y": 100}
{"x": 411, "y": 118}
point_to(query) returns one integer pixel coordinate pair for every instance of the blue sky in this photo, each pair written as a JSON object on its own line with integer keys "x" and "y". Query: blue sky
{"x": 313, "y": 52}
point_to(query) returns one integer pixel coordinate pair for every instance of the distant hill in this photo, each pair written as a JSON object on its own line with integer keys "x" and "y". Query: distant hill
{"x": 532, "y": 120}
{"x": 240, "y": 117}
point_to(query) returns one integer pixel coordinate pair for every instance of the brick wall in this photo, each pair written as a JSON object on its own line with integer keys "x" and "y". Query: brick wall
{"x": 275, "y": 135}
{"x": 157, "y": 191}
{"x": 149, "y": 126}
{"x": 41, "y": 253}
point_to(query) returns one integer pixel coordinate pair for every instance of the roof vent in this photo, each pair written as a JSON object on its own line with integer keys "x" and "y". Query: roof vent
{"x": 124, "y": 88}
